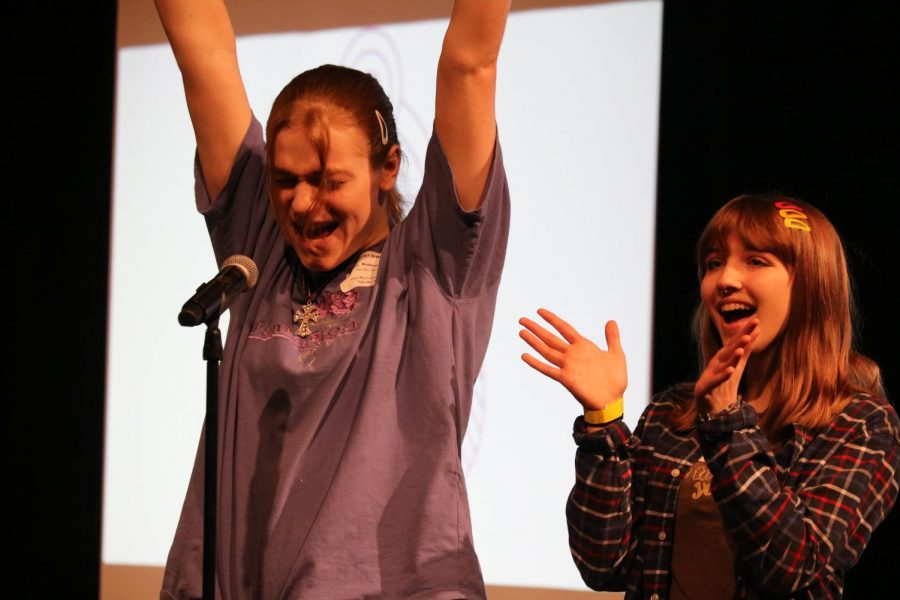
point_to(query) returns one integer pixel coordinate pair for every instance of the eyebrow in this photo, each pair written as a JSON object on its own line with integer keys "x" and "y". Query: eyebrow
{"x": 282, "y": 172}
{"x": 334, "y": 172}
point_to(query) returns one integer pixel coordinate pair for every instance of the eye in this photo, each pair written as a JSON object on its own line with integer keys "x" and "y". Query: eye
{"x": 757, "y": 261}
{"x": 315, "y": 179}
{"x": 286, "y": 181}
{"x": 713, "y": 263}
{"x": 333, "y": 185}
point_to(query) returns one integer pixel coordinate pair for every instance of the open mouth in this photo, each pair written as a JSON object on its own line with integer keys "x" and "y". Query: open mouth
{"x": 735, "y": 311}
{"x": 319, "y": 230}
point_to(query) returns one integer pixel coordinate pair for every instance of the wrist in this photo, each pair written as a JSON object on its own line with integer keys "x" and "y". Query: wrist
{"x": 710, "y": 406}
{"x": 718, "y": 412}
{"x": 609, "y": 413}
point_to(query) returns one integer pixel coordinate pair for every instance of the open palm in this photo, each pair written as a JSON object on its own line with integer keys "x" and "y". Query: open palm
{"x": 594, "y": 376}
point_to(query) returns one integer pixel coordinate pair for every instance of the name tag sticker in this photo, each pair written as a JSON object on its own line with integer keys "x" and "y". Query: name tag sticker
{"x": 364, "y": 271}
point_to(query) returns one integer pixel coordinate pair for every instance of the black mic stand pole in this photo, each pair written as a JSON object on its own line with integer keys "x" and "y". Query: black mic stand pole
{"x": 212, "y": 354}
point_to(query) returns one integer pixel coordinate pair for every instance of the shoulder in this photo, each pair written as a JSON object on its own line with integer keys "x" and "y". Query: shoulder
{"x": 437, "y": 165}
{"x": 868, "y": 416}
{"x": 670, "y": 399}
{"x": 253, "y": 141}
{"x": 435, "y": 144}
{"x": 249, "y": 159}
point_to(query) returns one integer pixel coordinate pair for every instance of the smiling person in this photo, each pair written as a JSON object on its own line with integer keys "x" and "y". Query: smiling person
{"x": 766, "y": 477}
{"x": 349, "y": 368}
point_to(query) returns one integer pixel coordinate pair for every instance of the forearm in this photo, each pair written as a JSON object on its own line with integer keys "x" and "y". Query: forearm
{"x": 805, "y": 532}
{"x": 600, "y": 508}
{"x": 474, "y": 35}
{"x": 199, "y": 32}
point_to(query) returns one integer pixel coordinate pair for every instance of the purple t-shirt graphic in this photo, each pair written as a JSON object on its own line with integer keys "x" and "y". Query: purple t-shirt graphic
{"x": 339, "y": 451}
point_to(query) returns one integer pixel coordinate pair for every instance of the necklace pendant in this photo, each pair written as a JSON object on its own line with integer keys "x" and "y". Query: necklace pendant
{"x": 306, "y": 314}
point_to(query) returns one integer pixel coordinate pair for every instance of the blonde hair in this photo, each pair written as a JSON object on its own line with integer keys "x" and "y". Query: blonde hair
{"x": 817, "y": 369}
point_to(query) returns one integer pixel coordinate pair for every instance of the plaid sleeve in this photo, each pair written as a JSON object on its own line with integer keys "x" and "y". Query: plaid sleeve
{"x": 801, "y": 528}
{"x": 599, "y": 510}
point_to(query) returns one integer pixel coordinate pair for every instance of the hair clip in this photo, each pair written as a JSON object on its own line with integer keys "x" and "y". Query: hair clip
{"x": 383, "y": 127}
{"x": 793, "y": 215}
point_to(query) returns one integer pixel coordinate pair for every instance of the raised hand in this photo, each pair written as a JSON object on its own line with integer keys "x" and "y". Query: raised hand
{"x": 717, "y": 386}
{"x": 594, "y": 376}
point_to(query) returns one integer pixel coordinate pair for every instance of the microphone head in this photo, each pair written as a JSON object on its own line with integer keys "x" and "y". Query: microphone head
{"x": 246, "y": 265}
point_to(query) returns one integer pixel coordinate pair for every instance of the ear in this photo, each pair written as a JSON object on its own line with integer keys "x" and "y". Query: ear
{"x": 390, "y": 169}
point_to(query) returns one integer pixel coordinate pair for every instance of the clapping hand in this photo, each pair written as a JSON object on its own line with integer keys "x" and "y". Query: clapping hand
{"x": 717, "y": 386}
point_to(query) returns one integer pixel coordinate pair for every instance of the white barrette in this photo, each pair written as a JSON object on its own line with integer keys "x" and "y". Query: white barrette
{"x": 383, "y": 127}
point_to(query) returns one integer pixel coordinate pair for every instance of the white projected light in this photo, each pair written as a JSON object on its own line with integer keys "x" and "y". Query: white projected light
{"x": 577, "y": 103}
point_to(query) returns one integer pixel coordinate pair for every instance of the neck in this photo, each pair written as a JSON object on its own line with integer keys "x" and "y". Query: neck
{"x": 756, "y": 381}
{"x": 315, "y": 281}
{"x": 318, "y": 279}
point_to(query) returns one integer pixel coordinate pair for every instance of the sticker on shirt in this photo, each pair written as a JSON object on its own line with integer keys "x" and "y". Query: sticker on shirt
{"x": 364, "y": 272}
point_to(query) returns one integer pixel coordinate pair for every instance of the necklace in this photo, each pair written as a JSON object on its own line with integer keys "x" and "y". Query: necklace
{"x": 308, "y": 312}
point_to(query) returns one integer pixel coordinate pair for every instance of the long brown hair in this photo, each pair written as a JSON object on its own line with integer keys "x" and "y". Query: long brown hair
{"x": 816, "y": 369}
{"x": 358, "y": 93}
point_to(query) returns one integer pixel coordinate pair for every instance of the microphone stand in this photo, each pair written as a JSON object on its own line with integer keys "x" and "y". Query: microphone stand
{"x": 238, "y": 273}
{"x": 212, "y": 354}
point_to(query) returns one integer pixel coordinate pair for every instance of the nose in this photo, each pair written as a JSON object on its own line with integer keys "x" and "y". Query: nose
{"x": 729, "y": 280}
{"x": 303, "y": 199}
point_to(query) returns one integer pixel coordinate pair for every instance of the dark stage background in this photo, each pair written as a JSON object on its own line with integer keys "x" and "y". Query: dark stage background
{"x": 795, "y": 97}
{"x": 790, "y": 96}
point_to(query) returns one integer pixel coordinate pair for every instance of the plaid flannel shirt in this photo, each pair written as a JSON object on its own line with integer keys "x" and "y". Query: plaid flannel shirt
{"x": 799, "y": 518}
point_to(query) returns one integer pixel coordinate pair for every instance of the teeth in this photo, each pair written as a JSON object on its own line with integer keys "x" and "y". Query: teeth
{"x": 320, "y": 229}
{"x": 734, "y": 306}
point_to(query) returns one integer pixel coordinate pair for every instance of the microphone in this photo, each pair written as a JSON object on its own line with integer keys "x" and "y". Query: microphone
{"x": 212, "y": 298}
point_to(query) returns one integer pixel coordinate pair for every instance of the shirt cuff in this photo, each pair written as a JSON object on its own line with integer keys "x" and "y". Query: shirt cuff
{"x": 607, "y": 440}
{"x": 739, "y": 415}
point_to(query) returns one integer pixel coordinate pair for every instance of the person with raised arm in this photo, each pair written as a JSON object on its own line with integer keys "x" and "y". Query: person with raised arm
{"x": 764, "y": 478}
{"x": 348, "y": 373}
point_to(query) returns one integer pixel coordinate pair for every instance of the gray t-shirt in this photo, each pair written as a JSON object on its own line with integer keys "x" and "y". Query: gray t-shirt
{"x": 339, "y": 465}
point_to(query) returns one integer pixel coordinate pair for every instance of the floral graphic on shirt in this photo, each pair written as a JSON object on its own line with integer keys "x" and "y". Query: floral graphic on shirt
{"x": 336, "y": 303}
{"x": 334, "y": 320}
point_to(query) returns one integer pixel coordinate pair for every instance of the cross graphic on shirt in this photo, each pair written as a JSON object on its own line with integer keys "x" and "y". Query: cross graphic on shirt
{"x": 307, "y": 313}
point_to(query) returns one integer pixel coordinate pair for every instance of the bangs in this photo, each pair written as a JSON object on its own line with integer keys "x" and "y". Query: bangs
{"x": 316, "y": 123}
{"x": 313, "y": 117}
{"x": 755, "y": 221}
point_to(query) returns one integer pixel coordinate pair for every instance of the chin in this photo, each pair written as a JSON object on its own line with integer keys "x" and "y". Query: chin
{"x": 760, "y": 345}
{"x": 318, "y": 264}
{"x": 311, "y": 261}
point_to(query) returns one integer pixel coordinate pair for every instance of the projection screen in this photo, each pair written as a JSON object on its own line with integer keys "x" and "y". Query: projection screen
{"x": 577, "y": 112}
